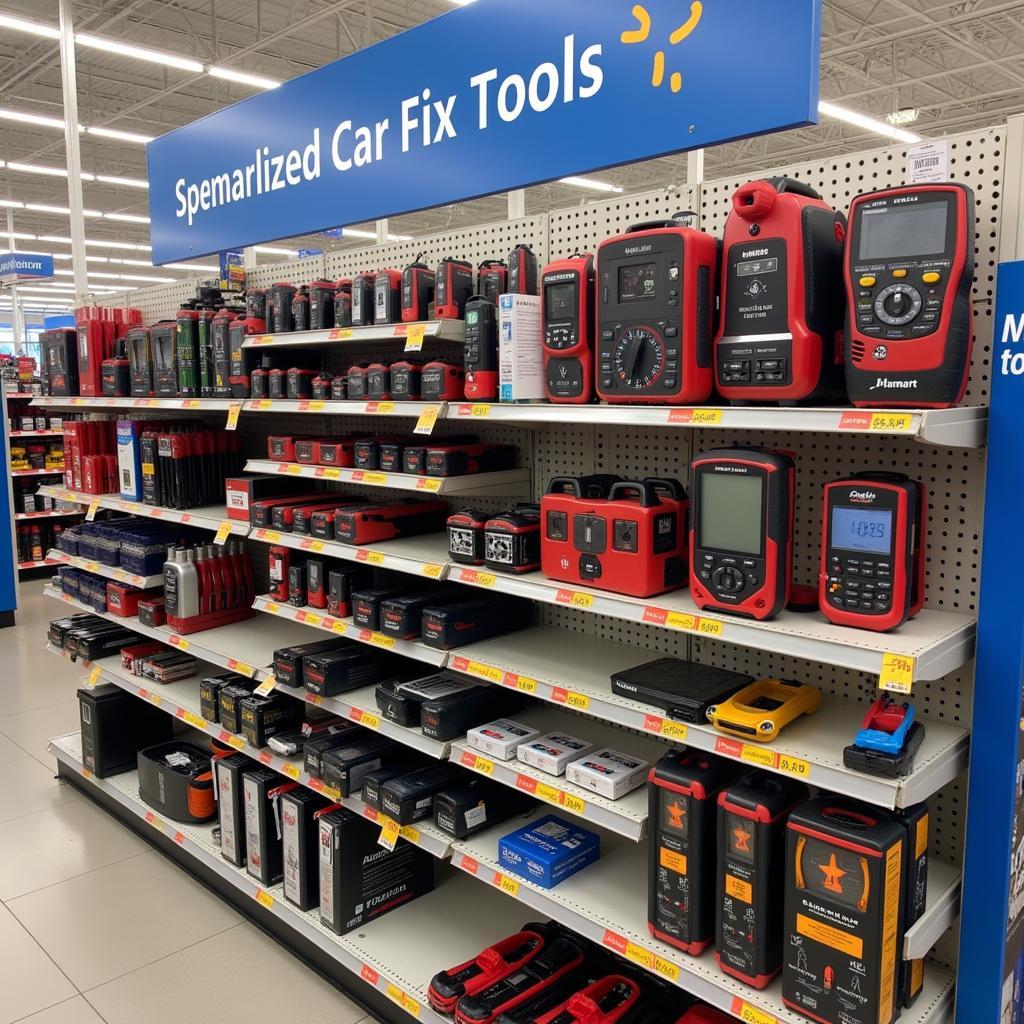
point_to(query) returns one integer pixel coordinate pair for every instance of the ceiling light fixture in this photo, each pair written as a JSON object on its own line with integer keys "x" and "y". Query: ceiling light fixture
{"x": 130, "y": 218}
{"x": 359, "y": 233}
{"x": 111, "y": 179}
{"x": 35, "y": 28}
{"x": 591, "y": 183}
{"x": 870, "y": 124}
{"x": 138, "y": 52}
{"x": 257, "y": 81}
{"x": 40, "y": 119}
{"x": 271, "y": 250}
{"x": 116, "y": 133}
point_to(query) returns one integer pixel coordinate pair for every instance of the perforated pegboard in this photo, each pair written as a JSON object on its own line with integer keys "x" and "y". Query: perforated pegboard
{"x": 296, "y": 271}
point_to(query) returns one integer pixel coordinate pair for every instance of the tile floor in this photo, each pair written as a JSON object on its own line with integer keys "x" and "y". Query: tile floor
{"x": 94, "y": 924}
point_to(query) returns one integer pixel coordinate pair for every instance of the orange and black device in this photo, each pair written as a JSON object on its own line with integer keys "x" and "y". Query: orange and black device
{"x": 909, "y": 272}
{"x": 492, "y": 279}
{"x": 872, "y": 572}
{"x": 417, "y": 291}
{"x": 844, "y": 912}
{"x": 683, "y": 796}
{"x": 364, "y": 299}
{"x": 480, "y": 354}
{"x": 781, "y": 332}
{"x": 453, "y": 285}
{"x": 656, "y": 314}
{"x": 752, "y": 816}
{"x": 522, "y": 270}
{"x": 567, "y": 323}
{"x": 741, "y": 531}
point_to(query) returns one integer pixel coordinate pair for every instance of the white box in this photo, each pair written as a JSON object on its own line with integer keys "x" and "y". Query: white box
{"x": 551, "y": 753}
{"x": 500, "y": 738}
{"x": 520, "y": 351}
{"x": 608, "y": 772}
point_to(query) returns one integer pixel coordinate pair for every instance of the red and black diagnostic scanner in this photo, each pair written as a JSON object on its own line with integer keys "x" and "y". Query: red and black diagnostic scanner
{"x": 741, "y": 531}
{"x": 567, "y": 317}
{"x": 909, "y": 271}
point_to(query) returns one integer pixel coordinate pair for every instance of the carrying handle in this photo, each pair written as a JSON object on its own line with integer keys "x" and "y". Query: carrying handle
{"x": 655, "y": 225}
{"x": 794, "y": 186}
{"x": 644, "y": 490}
{"x": 667, "y": 485}
{"x": 755, "y": 199}
{"x": 565, "y": 485}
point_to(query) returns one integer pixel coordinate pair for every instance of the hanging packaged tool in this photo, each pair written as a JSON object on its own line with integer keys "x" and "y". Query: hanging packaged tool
{"x": 163, "y": 338}
{"x": 343, "y": 303}
{"x": 300, "y": 309}
{"x": 187, "y": 351}
{"x": 60, "y": 348}
{"x": 95, "y": 343}
{"x": 220, "y": 387}
{"x": 116, "y": 372}
{"x": 321, "y": 305}
{"x": 243, "y": 360}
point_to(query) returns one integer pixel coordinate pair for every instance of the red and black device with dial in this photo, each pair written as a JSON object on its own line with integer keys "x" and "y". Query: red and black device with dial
{"x": 567, "y": 318}
{"x": 655, "y": 315}
{"x": 909, "y": 271}
{"x": 741, "y": 531}
{"x": 872, "y": 572}
{"x": 417, "y": 291}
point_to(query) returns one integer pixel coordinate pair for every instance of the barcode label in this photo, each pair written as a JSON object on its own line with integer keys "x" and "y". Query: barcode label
{"x": 926, "y": 161}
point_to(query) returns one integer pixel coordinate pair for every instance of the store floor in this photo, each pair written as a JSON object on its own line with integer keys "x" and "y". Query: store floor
{"x": 95, "y": 925}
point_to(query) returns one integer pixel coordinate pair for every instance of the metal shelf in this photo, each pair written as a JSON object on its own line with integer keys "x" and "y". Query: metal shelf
{"x": 938, "y": 641}
{"x": 144, "y": 582}
{"x": 37, "y": 472}
{"x": 460, "y": 917}
{"x": 511, "y": 482}
{"x": 955, "y": 428}
{"x": 419, "y": 556}
{"x": 37, "y": 433}
{"x": 574, "y": 670}
{"x": 50, "y": 514}
{"x": 19, "y": 394}
{"x": 37, "y": 565}
{"x": 345, "y": 627}
{"x": 626, "y": 816}
{"x": 606, "y": 903}
{"x": 212, "y": 517}
{"x": 440, "y": 330}
{"x": 181, "y": 699}
{"x": 98, "y": 402}
{"x": 327, "y": 407}
{"x": 944, "y": 885}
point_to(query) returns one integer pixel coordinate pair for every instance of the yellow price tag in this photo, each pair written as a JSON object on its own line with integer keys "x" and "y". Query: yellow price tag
{"x": 339, "y": 627}
{"x": 241, "y": 668}
{"x": 331, "y": 793}
{"x": 316, "y": 406}
{"x": 475, "y": 668}
{"x": 410, "y": 1005}
{"x": 395, "y": 993}
{"x": 194, "y": 720}
{"x": 94, "y": 676}
{"x": 375, "y": 479}
{"x": 432, "y": 484}
{"x": 679, "y": 620}
{"x": 369, "y": 721}
{"x": 751, "y": 1014}
{"x": 291, "y": 468}
{"x": 411, "y": 834}
{"x": 425, "y": 424}
{"x": 508, "y": 885}
{"x": 892, "y": 422}
{"x": 479, "y": 411}
{"x": 639, "y": 955}
{"x": 483, "y": 766}
{"x": 389, "y": 833}
{"x": 478, "y": 579}
{"x": 757, "y": 755}
{"x": 379, "y": 640}
{"x": 526, "y": 685}
{"x": 709, "y": 627}
{"x": 180, "y": 642}
{"x": 264, "y": 899}
{"x": 340, "y": 334}
{"x": 549, "y": 793}
{"x": 580, "y": 701}
{"x": 666, "y": 969}
{"x": 574, "y": 599}
{"x": 433, "y": 571}
{"x": 574, "y": 804}
{"x": 312, "y": 619}
{"x": 234, "y": 411}
{"x": 332, "y": 474}
{"x": 706, "y": 417}
{"x": 794, "y": 766}
{"x": 222, "y": 532}
{"x": 237, "y": 742}
{"x": 94, "y": 507}
{"x": 897, "y": 673}
{"x": 375, "y": 558}
{"x": 673, "y": 730}
{"x": 293, "y": 771}
{"x": 414, "y": 337}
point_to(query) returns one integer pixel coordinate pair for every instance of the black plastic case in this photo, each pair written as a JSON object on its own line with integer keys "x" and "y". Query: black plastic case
{"x": 179, "y": 791}
{"x": 683, "y": 689}
{"x": 114, "y": 725}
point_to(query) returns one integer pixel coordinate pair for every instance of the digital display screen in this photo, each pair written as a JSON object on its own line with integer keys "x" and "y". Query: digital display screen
{"x": 638, "y": 282}
{"x": 730, "y": 512}
{"x": 560, "y": 301}
{"x": 862, "y": 529}
{"x": 675, "y": 814}
{"x": 901, "y": 232}
{"x": 472, "y": 317}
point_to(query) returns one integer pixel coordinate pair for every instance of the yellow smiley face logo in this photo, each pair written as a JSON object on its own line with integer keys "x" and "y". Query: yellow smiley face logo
{"x": 642, "y": 33}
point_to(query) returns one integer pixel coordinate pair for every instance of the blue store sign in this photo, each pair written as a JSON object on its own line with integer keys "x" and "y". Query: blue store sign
{"x": 494, "y": 96}
{"x": 25, "y": 266}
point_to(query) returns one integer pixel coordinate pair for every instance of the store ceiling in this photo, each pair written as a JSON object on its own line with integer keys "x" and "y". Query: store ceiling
{"x": 960, "y": 65}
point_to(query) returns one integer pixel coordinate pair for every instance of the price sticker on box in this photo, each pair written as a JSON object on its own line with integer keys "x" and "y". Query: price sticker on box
{"x": 389, "y": 833}
{"x": 414, "y": 337}
{"x": 234, "y": 411}
{"x": 898, "y": 671}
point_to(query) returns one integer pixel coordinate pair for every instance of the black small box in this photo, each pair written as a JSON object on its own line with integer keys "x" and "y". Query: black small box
{"x": 288, "y": 660}
{"x": 916, "y": 821}
{"x": 370, "y": 792}
{"x": 361, "y": 880}
{"x": 229, "y": 773}
{"x": 115, "y": 724}
{"x": 402, "y": 616}
{"x": 449, "y": 626}
{"x": 345, "y": 767}
{"x": 684, "y": 690}
{"x": 176, "y": 779}
{"x": 445, "y": 718}
{"x": 297, "y": 586}
{"x": 209, "y": 693}
{"x": 228, "y": 703}
{"x": 339, "y": 590}
{"x": 299, "y": 847}
{"x": 336, "y": 672}
{"x": 366, "y": 604}
{"x": 475, "y": 804}
{"x": 315, "y": 747}
{"x": 401, "y": 702}
{"x": 263, "y": 857}
{"x": 263, "y": 717}
{"x": 410, "y": 797}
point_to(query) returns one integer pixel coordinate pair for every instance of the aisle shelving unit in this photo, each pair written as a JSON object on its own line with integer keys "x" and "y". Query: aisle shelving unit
{"x": 99, "y": 403}
{"x": 406, "y": 334}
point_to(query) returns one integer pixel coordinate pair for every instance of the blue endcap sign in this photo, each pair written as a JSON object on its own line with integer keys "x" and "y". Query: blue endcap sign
{"x": 493, "y": 96}
{"x": 25, "y": 266}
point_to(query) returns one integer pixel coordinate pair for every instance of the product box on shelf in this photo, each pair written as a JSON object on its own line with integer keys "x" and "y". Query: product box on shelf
{"x": 229, "y": 772}
{"x": 520, "y": 349}
{"x": 548, "y": 851}
{"x": 300, "y": 846}
{"x": 500, "y": 738}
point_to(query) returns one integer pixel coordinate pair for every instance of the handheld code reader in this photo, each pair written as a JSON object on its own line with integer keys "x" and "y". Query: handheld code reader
{"x": 480, "y": 357}
{"x": 417, "y": 291}
{"x": 492, "y": 279}
{"x": 780, "y": 338}
{"x": 682, "y": 797}
{"x": 655, "y": 314}
{"x": 567, "y": 325}
{"x": 752, "y": 818}
{"x": 453, "y": 288}
{"x": 741, "y": 531}
{"x": 909, "y": 272}
{"x": 872, "y": 572}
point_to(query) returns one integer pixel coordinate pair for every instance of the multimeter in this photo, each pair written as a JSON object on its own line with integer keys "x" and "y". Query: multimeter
{"x": 655, "y": 314}
{"x": 909, "y": 271}
{"x": 752, "y": 816}
{"x": 741, "y": 530}
{"x": 872, "y": 572}
{"x": 480, "y": 354}
{"x": 567, "y": 318}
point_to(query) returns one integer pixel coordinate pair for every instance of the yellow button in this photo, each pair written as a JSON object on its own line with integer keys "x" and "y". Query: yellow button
{"x": 867, "y": 282}
{"x": 899, "y": 273}
{"x": 931, "y": 277}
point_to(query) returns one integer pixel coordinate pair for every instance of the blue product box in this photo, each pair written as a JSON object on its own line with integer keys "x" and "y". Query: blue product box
{"x": 548, "y": 851}
{"x": 129, "y": 459}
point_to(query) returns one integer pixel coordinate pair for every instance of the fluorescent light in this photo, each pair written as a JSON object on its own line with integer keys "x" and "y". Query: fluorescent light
{"x": 271, "y": 250}
{"x": 35, "y": 28}
{"x": 359, "y": 233}
{"x": 101, "y": 243}
{"x": 11, "y": 204}
{"x": 115, "y": 133}
{"x": 18, "y": 115}
{"x": 111, "y": 179}
{"x": 47, "y": 208}
{"x": 258, "y": 81}
{"x": 147, "y": 277}
{"x": 53, "y": 172}
{"x": 138, "y": 52}
{"x": 4, "y": 235}
{"x": 867, "y": 123}
{"x": 592, "y": 183}
{"x": 130, "y": 218}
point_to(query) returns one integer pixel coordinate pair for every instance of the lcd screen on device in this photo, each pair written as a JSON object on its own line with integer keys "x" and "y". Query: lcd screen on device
{"x": 559, "y": 300}
{"x": 638, "y": 282}
{"x": 858, "y": 529}
{"x": 903, "y": 232}
{"x": 730, "y": 512}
